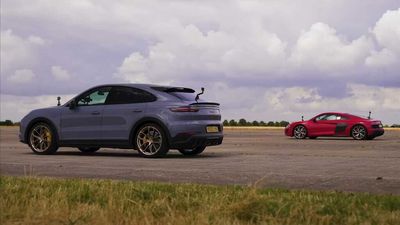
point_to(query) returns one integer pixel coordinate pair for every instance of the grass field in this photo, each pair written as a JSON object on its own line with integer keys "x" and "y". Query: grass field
{"x": 31, "y": 200}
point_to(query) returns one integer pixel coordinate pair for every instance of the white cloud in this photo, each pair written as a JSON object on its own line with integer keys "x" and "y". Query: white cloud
{"x": 381, "y": 58}
{"x": 360, "y": 99}
{"x": 134, "y": 68}
{"x": 387, "y": 30}
{"x": 322, "y": 49}
{"x": 18, "y": 52}
{"x": 60, "y": 73}
{"x": 387, "y": 34}
{"x": 21, "y": 76}
{"x": 190, "y": 52}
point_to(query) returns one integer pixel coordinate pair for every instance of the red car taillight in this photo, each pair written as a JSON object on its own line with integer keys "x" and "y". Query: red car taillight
{"x": 184, "y": 109}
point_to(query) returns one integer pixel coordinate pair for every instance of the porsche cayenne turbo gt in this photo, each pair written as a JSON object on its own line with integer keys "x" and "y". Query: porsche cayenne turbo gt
{"x": 336, "y": 124}
{"x": 151, "y": 119}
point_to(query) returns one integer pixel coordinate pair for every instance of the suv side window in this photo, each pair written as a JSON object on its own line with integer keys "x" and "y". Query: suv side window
{"x": 128, "y": 95}
{"x": 97, "y": 96}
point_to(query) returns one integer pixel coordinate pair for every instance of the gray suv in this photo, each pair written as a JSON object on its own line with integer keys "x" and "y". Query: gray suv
{"x": 151, "y": 119}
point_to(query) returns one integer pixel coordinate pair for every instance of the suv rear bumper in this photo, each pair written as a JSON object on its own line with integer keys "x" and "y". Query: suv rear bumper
{"x": 187, "y": 141}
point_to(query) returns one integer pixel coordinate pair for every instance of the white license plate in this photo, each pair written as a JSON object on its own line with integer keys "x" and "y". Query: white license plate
{"x": 212, "y": 129}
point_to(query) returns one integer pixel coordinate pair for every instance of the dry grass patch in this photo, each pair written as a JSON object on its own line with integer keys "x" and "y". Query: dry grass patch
{"x": 31, "y": 200}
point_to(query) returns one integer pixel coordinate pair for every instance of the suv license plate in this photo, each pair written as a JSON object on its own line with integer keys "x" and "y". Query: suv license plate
{"x": 212, "y": 129}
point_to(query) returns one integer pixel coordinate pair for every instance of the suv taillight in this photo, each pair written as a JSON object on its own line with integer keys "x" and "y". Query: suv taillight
{"x": 184, "y": 109}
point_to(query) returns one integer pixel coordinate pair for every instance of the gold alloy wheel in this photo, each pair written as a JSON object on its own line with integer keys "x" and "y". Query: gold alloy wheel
{"x": 149, "y": 140}
{"x": 40, "y": 138}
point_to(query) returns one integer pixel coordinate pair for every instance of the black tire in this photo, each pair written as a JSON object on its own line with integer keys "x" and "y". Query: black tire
{"x": 151, "y": 141}
{"x": 300, "y": 132}
{"x": 88, "y": 149}
{"x": 359, "y": 132}
{"x": 42, "y": 139}
{"x": 195, "y": 151}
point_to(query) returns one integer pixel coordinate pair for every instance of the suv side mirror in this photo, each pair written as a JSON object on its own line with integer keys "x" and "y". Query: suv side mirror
{"x": 72, "y": 104}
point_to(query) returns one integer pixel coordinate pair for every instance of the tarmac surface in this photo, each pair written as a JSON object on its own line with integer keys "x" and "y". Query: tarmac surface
{"x": 261, "y": 157}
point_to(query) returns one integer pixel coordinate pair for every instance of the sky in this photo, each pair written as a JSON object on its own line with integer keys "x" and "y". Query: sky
{"x": 262, "y": 60}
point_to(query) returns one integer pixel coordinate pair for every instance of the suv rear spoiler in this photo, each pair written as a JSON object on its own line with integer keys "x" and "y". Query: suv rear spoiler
{"x": 204, "y": 103}
{"x": 174, "y": 89}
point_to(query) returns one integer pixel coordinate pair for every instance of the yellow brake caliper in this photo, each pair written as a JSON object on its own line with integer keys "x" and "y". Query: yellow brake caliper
{"x": 48, "y": 136}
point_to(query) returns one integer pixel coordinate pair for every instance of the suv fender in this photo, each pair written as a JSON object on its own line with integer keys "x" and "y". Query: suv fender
{"x": 144, "y": 120}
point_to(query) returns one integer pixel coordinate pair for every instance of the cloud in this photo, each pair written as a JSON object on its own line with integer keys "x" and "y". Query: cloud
{"x": 238, "y": 50}
{"x": 382, "y": 58}
{"x": 60, "y": 73}
{"x": 134, "y": 68}
{"x": 322, "y": 49}
{"x": 387, "y": 34}
{"x": 191, "y": 52}
{"x": 21, "y": 76}
{"x": 387, "y": 30}
{"x": 18, "y": 52}
{"x": 254, "y": 57}
{"x": 360, "y": 98}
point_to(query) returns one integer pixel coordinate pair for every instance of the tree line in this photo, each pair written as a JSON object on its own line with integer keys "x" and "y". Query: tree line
{"x": 242, "y": 122}
{"x": 7, "y": 123}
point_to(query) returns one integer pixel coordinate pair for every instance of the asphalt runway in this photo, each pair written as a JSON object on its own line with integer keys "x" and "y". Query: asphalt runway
{"x": 262, "y": 157}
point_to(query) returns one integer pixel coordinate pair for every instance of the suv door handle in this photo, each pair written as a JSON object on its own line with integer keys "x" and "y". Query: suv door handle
{"x": 137, "y": 111}
{"x": 95, "y": 113}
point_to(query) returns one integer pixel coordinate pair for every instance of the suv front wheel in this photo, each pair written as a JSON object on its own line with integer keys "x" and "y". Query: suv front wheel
{"x": 42, "y": 139}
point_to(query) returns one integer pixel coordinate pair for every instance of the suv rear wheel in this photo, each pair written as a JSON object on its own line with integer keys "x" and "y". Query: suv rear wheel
{"x": 151, "y": 141}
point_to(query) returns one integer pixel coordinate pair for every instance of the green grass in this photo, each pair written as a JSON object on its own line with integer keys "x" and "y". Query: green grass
{"x": 30, "y": 200}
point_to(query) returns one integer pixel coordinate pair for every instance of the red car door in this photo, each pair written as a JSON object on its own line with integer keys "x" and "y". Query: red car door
{"x": 325, "y": 125}
{"x": 341, "y": 125}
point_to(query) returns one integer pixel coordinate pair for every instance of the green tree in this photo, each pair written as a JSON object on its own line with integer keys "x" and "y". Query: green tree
{"x": 262, "y": 123}
{"x": 255, "y": 123}
{"x": 225, "y": 123}
{"x": 270, "y": 124}
{"x": 6, "y": 123}
{"x": 283, "y": 123}
{"x": 232, "y": 123}
{"x": 242, "y": 122}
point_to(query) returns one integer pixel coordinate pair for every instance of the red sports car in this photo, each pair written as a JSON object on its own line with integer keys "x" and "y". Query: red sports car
{"x": 336, "y": 124}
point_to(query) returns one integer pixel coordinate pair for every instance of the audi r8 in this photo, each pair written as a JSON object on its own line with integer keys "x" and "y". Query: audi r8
{"x": 336, "y": 124}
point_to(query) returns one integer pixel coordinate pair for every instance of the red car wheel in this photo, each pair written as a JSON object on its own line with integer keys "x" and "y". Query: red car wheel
{"x": 300, "y": 132}
{"x": 359, "y": 132}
